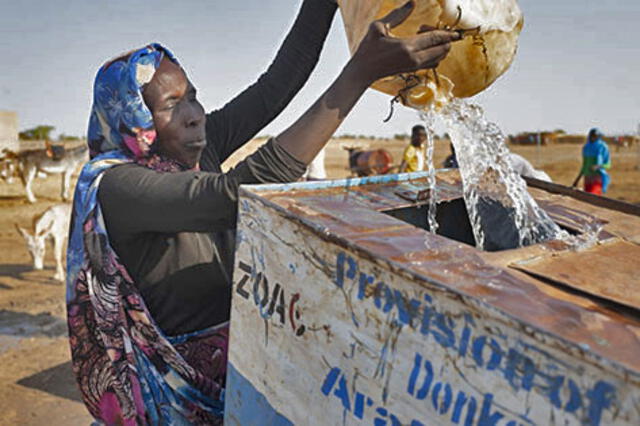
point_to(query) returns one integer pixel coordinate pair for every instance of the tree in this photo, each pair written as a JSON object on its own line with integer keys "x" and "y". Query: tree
{"x": 65, "y": 138}
{"x": 42, "y": 132}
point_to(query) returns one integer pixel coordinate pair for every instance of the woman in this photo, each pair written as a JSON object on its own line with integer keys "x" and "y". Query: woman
{"x": 595, "y": 163}
{"x": 152, "y": 238}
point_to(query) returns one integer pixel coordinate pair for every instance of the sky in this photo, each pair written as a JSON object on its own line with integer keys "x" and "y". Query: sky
{"x": 577, "y": 65}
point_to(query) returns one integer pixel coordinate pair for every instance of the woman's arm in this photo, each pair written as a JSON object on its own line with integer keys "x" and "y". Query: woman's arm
{"x": 379, "y": 55}
{"x": 203, "y": 201}
{"x": 186, "y": 201}
{"x": 242, "y": 118}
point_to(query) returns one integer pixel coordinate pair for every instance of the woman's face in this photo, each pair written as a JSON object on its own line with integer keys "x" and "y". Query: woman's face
{"x": 177, "y": 115}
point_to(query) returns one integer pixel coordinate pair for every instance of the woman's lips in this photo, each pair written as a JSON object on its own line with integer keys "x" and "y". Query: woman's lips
{"x": 199, "y": 144}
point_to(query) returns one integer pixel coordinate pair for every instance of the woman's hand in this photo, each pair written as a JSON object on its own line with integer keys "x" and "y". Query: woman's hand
{"x": 381, "y": 55}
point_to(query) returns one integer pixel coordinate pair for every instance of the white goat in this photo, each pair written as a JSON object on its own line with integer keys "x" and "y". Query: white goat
{"x": 54, "y": 222}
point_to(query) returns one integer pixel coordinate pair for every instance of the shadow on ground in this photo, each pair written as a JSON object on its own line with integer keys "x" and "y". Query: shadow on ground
{"x": 27, "y": 273}
{"x": 20, "y": 199}
{"x": 14, "y": 271}
{"x": 58, "y": 381}
{"x": 22, "y": 324}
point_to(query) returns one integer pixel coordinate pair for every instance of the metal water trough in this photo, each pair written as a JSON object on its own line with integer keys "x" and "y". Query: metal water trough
{"x": 346, "y": 311}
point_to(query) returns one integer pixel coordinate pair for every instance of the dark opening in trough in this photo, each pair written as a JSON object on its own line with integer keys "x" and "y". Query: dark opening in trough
{"x": 453, "y": 222}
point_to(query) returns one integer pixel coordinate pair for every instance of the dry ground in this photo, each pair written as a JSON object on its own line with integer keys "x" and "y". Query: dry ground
{"x": 36, "y": 386}
{"x": 561, "y": 162}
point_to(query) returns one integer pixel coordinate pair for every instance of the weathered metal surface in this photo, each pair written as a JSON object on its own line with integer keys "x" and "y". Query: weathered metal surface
{"x": 609, "y": 271}
{"x": 596, "y": 200}
{"x": 343, "y": 314}
{"x": 618, "y": 223}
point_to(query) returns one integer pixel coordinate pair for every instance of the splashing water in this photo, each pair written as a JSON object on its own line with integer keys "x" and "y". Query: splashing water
{"x": 429, "y": 119}
{"x": 502, "y": 213}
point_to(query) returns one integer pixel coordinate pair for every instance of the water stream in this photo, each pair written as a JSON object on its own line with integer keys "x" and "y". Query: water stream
{"x": 429, "y": 119}
{"x": 501, "y": 212}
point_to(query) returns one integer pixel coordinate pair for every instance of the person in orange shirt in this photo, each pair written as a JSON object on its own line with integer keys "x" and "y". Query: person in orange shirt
{"x": 413, "y": 157}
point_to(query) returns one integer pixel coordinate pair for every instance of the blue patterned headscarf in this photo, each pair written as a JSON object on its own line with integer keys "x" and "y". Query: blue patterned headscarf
{"x": 119, "y": 119}
{"x": 121, "y": 130}
{"x": 128, "y": 371}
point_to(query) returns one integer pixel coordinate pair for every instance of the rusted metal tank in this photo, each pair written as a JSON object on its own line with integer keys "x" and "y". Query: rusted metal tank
{"x": 347, "y": 311}
{"x": 369, "y": 162}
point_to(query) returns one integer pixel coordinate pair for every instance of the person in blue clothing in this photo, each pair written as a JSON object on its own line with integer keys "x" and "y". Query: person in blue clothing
{"x": 595, "y": 163}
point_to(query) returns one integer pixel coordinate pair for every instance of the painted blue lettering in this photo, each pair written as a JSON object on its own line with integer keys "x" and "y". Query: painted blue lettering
{"x": 471, "y": 411}
{"x": 426, "y": 385}
{"x": 466, "y": 335}
{"x": 358, "y": 405}
{"x": 377, "y": 301}
{"x": 407, "y": 309}
{"x": 340, "y": 269}
{"x": 520, "y": 370}
{"x": 551, "y": 386}
{"x": 479, "y": 344}
{"x": 461, "y": 400}
{"x": 340, "y": 272}
{"x": 486, "y": 417}
{"x": 381, "y": 411}
{"x": 384, "y": 293}
{"x": 441, "y": 405}
{"x": 330, "y": 380}
{"x": 342, "y": 393}
{"x": 364, "y": 282}
{"x": 394, "y": 420}
{"x": 417, "y": 361}
{"x": 496, "y": 355}
{"x": 555, "y": 386}
{"x": 478, "y": 347}
{"x": 444, "y": 332}
{"x": 575, "y": 400}
{"x": 353, "y": 266}
{"x": 600, "y": 398}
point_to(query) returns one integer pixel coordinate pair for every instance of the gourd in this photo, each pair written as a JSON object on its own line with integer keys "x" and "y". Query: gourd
{"x": 490, "y": 29}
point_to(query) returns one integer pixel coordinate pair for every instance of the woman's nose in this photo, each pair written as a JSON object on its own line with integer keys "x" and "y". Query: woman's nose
{"x": 194, "y": 114}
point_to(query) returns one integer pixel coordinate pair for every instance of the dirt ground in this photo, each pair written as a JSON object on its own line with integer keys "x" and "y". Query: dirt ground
{"x": 36, "y": 384}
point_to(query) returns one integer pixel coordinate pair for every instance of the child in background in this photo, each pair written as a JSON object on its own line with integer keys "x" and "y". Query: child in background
{"x": 413, "y": 157}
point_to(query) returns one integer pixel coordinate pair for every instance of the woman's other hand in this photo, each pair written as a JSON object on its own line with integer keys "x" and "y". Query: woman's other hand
{"x": 380, "y": 54}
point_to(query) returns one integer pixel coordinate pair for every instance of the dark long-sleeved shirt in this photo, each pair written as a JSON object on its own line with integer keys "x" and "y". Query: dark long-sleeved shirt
{"x": 174, "y": 232}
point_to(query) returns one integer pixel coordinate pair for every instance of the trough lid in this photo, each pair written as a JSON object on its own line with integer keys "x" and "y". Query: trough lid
{"x": 609, "y": 271}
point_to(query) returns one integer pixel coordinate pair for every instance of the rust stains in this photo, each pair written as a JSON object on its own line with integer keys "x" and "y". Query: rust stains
{"x": 608, "y": 324}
